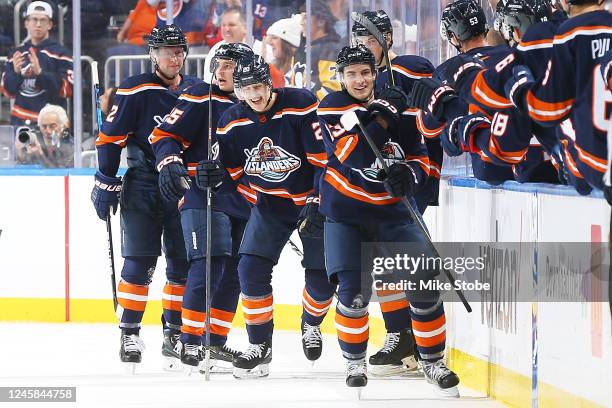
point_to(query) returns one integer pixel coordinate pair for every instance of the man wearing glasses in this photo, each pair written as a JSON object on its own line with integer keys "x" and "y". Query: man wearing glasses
{"x": 39, "y": 71}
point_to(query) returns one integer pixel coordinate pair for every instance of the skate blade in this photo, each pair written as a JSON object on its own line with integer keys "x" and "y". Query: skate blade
{"x": 172, "y": 364}
{"x": 130, "y": 368}
{"x": 262, "y": 370}
{"x": 389, "y": 370}
{"x": 189, "y": 370}
{"x": 218, "y": 367}
{"x": 410, "y": 363}
{"x": 452, "y": 392}
{"x": 359, "y": 390}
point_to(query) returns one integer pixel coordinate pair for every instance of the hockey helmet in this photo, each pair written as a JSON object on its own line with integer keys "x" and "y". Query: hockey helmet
{"x": 233, "y": 52}
{"x": 463, "y": 18}
{"x": 358, "y": 54}
{"x": 251, "y": 70}
{"x": 379, "y": 18}
{"x": 167, "y": 36}
{"x": 521, "y": 14}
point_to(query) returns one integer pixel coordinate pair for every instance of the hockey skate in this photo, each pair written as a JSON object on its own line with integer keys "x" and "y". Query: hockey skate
{"x": 172, "y": 359}
{"x": 190, "y": 355}
{"x": 221, "y": 359}
{"x": 397, "y": 356}
{"x": 131, "y": 350}
{"x": 443, "y": 379}
{"x": 312, "y": 341}
{"x": 253, "y": 363}
{"x": 356, "y": 373}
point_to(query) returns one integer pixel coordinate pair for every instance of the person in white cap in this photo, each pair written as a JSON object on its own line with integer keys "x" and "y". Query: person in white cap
{"x": 284, "y": 38}
{"x": 39, "y": 71}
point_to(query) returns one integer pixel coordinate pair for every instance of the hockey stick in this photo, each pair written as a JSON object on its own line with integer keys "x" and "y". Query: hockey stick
{"x": 208, "y": 240}
{"x": 364, "y": 21}
{"x": 295, "y": 248}
{"x": 95, "y": 94}
{"x": 349, "y": 120}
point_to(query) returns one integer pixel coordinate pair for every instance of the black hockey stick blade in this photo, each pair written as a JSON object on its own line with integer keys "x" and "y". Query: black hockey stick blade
{"x": 364, "y": 21}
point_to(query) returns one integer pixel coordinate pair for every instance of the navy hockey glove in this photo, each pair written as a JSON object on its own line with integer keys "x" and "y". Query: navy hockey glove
{"x": 401, "y": 180}
{"x": 310, "y": 222}
{"x": 606, "y": 69}
{"x": 459, "y": 67}
{"x": 105, "y": 194}
{"x": 558, "y": 160}
{"x": 390, "y": 103}
{"x": 209, "y": 173}
{"x": 430, "y": 95}
{"x": 516, "y": 87}
{"x": 173, "y": 178}
{"x": 458, "y": 136}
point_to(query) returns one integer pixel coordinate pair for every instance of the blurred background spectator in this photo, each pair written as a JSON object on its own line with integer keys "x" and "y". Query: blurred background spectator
{"x": 189, "y": 15}
{"x": 233, "y": 30}
{"x": 39, "y": 71}
{"x": 325, "y": 45}
{"x": 51, "y": 145}
{"x": 284, "y": 38}
{"x": 139, "y": 23}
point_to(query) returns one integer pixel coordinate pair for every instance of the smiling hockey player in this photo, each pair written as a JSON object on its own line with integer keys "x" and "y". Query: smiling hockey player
{"x": 141, "y": 103}
{"x": 186, "y": 129}
{"x": 270, "y": 143}
{"x": 362, "y": 204}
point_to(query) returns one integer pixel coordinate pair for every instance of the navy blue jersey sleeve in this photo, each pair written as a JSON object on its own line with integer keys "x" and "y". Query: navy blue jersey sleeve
{"x": 11, "y": 81}
{"x": 312, "y": 139}
{"x": 349, "y": 145}
{"x": 187, "y": 121}
{"x": 116, "y": 128}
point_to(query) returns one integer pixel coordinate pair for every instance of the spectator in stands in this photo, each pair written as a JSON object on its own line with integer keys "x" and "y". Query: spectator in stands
{"x": 139, "y": 23}
{"x": 212, "y": 27}
{"x": 54, "y": 147}
{"x": 284, "y": 39}
{"x": 233, "y": 30}
{"x": 340, "y": 11}
{"x": 39, "y": 71}
{"x": 325, "y": 44}
{"x": 188, "y": 15}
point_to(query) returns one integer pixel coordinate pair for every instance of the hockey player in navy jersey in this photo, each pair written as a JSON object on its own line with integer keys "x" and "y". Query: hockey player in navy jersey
{"x": 464, "y": 25}
{"x": 362, "y": 203}
{"x": 508, "y": 138}
{"x": 572, "y": 92}
{"x": 141, "y": 103}
{"x": 186, "y": 130}
{"x": 271, "y": 143}
{"x": 398, "y": 353}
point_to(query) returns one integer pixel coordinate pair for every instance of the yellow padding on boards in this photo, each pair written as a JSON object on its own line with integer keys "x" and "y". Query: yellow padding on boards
{"x": 286, "y": 317}
{"x": 509, "y": 387}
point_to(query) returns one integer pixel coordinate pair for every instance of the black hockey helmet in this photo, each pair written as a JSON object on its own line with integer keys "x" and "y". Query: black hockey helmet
{"x": 167, "y": 36}
{"x": 521, "y": 14}
{"x": 359, "y": 54}
{"x": 251, "y": 70}
{"x": 379, "y": 18}
{"x": 463, "y": 18}
{"x": 233, "y": 52}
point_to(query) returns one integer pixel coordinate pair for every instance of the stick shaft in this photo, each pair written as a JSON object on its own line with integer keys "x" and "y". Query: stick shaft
{"x": 208, "y": 242}
{"x": 417, "y": 219}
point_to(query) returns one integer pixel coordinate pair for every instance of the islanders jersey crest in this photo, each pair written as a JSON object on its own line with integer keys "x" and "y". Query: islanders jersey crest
{"x": 269, "y": 162}
{"x": 391, "y": 152}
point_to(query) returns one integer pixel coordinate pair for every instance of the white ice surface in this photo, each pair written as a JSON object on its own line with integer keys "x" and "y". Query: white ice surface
{"x": 86, "y": 356}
